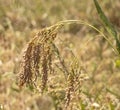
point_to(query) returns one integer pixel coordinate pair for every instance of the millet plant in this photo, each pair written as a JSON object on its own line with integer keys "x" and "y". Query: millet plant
{"x": 38, "y": 60}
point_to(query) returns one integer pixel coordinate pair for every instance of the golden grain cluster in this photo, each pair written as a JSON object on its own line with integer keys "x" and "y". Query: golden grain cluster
{"x": 37, "y": 61}
{"x": 37, "y": 57}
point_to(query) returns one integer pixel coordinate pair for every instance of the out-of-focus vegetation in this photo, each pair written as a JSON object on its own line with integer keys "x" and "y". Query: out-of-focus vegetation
{"x": 20, "y": 20}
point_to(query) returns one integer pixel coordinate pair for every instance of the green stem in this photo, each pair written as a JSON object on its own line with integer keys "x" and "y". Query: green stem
{"x": 62, "y": 23}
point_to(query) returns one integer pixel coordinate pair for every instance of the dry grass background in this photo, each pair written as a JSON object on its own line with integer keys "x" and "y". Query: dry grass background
{"x": 20, "y": 20}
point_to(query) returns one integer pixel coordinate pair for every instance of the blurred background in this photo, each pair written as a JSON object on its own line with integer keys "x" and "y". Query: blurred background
{"x": 19, "y": 22}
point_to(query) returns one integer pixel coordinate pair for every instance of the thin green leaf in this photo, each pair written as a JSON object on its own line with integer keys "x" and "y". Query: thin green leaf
{"x": 111, "y": 30}
{"x": 112, "y": 106}
{"x": 113, "y": 93}
{"x": 104, "y": 19}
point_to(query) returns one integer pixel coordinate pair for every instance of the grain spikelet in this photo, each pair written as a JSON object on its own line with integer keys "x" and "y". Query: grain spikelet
{"x": 38, "y": 54}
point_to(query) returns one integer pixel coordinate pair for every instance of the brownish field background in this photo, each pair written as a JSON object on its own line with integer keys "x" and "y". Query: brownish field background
{"x": 19, "y": 22}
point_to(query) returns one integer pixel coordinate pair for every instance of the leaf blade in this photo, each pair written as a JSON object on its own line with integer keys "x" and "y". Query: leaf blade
{"x": 109, "y": 27}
